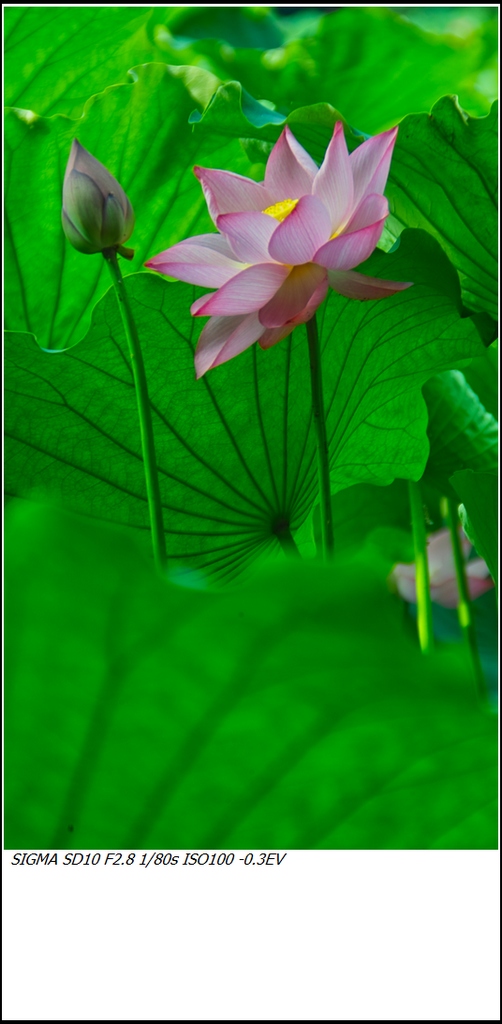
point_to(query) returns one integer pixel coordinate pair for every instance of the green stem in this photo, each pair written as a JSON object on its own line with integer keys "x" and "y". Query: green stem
{"x": 321, "y": 438}
{"x": 287, "y": 542}
{"x": 144, "y": 413}
{"x": 464, "y": 609}
{"x": 424, "y": 604}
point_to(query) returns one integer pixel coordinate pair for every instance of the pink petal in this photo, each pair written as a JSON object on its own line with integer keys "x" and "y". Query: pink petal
{"x": 215, "y": 242}
{"x": 241, "y": 339}
{"x": 445, "y": 593}
{"x": 404, "y": 578}
{"x": 440, "y": 555}
{"x": 226, "y": 192}
{"x": 224, "y": 337}
{"x": 353, "y": 285}
{"x": 318, "y": 296}
{"x": 200, "y": 302}
{"x": 477, "y": 569}
{"x": 333, "y": 183}
{"x": 246, "y": 292}
{"x": 372, "y": 209}
{"x": 298, "y": 237}
{"x": 478, "y": 578}
{"x": 249, "y": 234}
{"x": 444, "y": 588}
{"x": 295, "y": 294}
{"x": 349, "y": 250}
{"x": 370, "y": 164}
{"x": 204, "y": 259}
{"x": 443, "y": 581}
{"x": 290, "y": 170}
{"x": 274, "y": 334}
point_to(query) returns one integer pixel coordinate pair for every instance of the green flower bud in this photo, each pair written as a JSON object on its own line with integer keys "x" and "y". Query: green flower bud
{"x": 96, "y": 212}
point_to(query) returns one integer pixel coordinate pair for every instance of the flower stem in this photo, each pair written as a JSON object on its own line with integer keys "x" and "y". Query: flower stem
{"x": 464, "y": 609}
{"x": 321, "y": 438}
{"x": 424, "y": 604}
{"x": 144, "y": 413}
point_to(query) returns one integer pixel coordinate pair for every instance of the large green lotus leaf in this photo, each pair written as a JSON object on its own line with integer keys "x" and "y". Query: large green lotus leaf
{"x": 295, "y": 712}
{"x": 55, "y": 59}
{"x": 369, "y": 62}
{"x": 462, "y": 434}
{"x": 444, "y": 179}
{"x": 50, "y": 289}
{"x": 235, "y": 113}
{"x": 443, "y": 175}
{"x": 478, "y": 493}
{"x": 235, "y": 450}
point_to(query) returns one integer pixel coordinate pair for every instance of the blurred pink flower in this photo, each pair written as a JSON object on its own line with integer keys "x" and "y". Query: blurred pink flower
{"x": 443, "y": 582}
{"x": 283, "y": 241}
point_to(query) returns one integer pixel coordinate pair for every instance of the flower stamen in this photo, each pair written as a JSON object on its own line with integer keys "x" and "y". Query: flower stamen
{"x": 282, "y": 209}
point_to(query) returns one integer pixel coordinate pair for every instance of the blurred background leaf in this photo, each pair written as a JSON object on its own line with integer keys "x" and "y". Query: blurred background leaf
{"x": 454, "y": 21}
{"x": 359, "y": 510}
{"x": 276, "y": 728}
{"x": 371, "y": 62}
{"x": 236, "y": 449}
{"x": 485, "y": 616}
{"x": 378, "y": 516}
{"x": 482, "y": 375}
{"x": 249, "y": 27}
{"x": 478, "y": 493}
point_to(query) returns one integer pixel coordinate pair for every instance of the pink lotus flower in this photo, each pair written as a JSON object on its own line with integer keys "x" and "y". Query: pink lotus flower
{"x": 443, "y": 581}
{"x": 283, "y": 241}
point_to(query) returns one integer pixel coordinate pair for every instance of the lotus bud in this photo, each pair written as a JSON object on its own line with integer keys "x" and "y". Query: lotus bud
{"x": 96, "y": 213}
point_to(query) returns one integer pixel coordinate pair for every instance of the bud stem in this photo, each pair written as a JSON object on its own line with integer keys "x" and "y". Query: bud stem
{"x": 424, "y": 603}
{"x": 144, "y": 413}
{"x": 321, "y": 439}
{"x": 124, "y": 251}
{"x": 464, "y": 610}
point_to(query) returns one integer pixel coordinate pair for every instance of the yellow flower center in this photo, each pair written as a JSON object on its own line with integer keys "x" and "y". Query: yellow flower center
{"x": 281, "y": 210}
